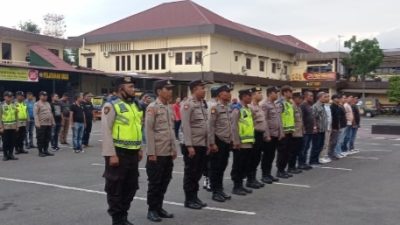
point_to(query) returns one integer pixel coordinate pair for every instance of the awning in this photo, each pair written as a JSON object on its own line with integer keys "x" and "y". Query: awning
{"x": 371, "y": 91}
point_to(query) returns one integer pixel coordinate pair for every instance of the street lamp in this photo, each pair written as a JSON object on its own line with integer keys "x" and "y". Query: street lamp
{"x": 202, "y": 61}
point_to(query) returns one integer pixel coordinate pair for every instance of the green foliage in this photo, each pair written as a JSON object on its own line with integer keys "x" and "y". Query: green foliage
{"x": 394, "y": 89}
{"x": 29, "y": 26}
{"x": 365, "y": 56}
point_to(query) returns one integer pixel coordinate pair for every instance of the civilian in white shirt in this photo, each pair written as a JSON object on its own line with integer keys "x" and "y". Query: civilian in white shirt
{"x": 324, "y": 154}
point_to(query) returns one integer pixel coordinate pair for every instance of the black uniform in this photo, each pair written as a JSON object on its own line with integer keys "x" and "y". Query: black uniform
{"x": 88, "y": 110}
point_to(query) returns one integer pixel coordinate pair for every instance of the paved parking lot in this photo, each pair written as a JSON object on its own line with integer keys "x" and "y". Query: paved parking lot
{"x": 68, "y": 189}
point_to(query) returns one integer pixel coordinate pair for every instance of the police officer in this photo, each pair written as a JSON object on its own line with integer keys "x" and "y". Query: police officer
{"x": 44, "y": 121}
{"x": 194, "y": 148}
{"x": 8, "y": 125}
{"x": 161, "y": 149}
{"x": 297, "y": 139}
{"x": 220, "y": 141}
{"x": 23, "y": 120}
{"x": 121, "y": 122}
{"x": 243, "y": 140}
{"x": 259, "y": 129}
{"x": 273, "y": 133}
{"x": 288, "y": 123}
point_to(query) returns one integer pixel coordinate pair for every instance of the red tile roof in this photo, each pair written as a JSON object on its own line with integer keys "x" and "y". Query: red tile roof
{"x": 51, "y": 58}
{"x": 182, "y": 14}
{"x": 298, "y": 43}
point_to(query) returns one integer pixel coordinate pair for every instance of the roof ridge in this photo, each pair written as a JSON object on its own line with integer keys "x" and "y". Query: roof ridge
{"x": 196, "y": 7}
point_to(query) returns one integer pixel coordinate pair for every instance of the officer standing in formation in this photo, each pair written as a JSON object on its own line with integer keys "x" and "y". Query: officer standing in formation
{"x": 243, "y": 140}
{"x": 195, "y": 143}
{"x": 8, "y": 125}
{"x": 259, "y": 129}
{"x": 121, "y": 147}
{"x": 23, "y": 120}
{"x": 220, "y": 141}
{"x": 161, "y": 149}
{"x": 44, "y": 121}
{"x": 273, "y": 133}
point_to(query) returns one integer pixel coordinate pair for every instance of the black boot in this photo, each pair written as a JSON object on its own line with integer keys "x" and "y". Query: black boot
{"x": 153, "y": 216}
{"x": 198, "y": 201}
{"x": 238, "y": 189}
{"x": 117, "y": 220}
{"x": 126, "y": 221}
{"x": 5, "y": 155}
{"x": 190, "y": 202}
{"x": 41, "y": 154}
{"x": 164, "y": 214}
{"x": 47, "y": 153}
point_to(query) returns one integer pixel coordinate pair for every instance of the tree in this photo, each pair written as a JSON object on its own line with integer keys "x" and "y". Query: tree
{"x": 365, "y": 57}
{"x": 54, "y": 25}
{"x": 29, "y": 26}
{"x": 394, "y": 89}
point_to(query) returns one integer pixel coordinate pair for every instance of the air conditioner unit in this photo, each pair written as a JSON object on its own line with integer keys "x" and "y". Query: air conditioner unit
{"x": 106, "y": 54}
{"x": 278, "y": 66}
{"x": 170, "y": 54}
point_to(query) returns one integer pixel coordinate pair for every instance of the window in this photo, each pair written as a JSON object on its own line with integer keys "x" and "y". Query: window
{"x": 6, "y": 51}
{"x": 128, "y": 62}
{"x": 178, "y": 58}
{"x": 248, "y": 63}
{"x": 89, "y": 63}
{"x": 123, "y": 63}
{"x": 198, "y": 57}
{"x": 262, "y": 66}
{"x": 285, "y": 69}
{"x": 143, "y": 62}
{"x": 163, "y": 62}
{"x": 137, "y": 62}
{"x": 156, "y": 61}
{"x": 150, "y": 61}
{"x": 273, "y": 68}
{"x": 117, "y": 63}
{"x": 188, "y": 58}
{"x": 236, "y": 58}
{"x": 55, "y": 51}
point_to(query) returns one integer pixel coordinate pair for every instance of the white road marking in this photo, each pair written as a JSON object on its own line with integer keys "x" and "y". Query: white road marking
{"x": 376, "y": 150}
{"x": 363, "y": 157}
{"x": 100, "y": 140}
{"x": 293, "y": 185}
{"x": 396, "y": 144}
{"x": 379, "y": 138}
{"x": 332, "y": 168}
{"x": 103, "y": 193}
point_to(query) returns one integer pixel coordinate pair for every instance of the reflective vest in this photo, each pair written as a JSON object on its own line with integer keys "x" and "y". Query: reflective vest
{"x": 246, "y": 126}
{"x": 127, "y": 128}
{"x": 22, "y": 113}
{"x": 288, "y": 117}
{"x": 8, "y": 117}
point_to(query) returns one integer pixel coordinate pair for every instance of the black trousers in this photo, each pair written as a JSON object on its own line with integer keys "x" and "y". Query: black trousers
{"x": 295, "y": 151}
{"x": 8, "y": 137}
{"x": 240, "y": 166}
{"x": 284, "y": 147}
{"x": 86, "y": 132}
{"x": 268, "y": 156}
{"x": 21, "y": 134}
{"x": 43, "y": 136}
{"x": 159, "y": 175}
{"x": 255, "y": 155}
{"x": 176, "y": 128}
{"x": 121, "y": 182}
{"x": 218, "y": 163}
{"x": 194, "y": 168}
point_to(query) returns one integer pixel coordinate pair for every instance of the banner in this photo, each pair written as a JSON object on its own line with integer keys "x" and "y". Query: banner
{"x": 327, "y": 76}
{"x": 19, "y": 74}
{"x": 54, "y": 75}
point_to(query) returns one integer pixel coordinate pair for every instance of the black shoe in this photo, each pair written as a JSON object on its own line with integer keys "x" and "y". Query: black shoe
{"x": 201, "y": 203}
{"x": 294, "y": 171}
{"x": 266, "y": 179}
{"x": 125, "y": 221}
{"x": 192, "y": 205}
{"x": 260, "y": 184}
{"x": 153, "y": 216}
{"x": 252, "y": 184}
{"x": 218, "y": 197}
{"x": 289, "y": 175}
{"x": 41, "y": 154}
{"x": 48, "y": 153}
{"x": 24, "y": 152}
{"x": 225, "y": 195}
{"x": 5, "y": 158}
{"x": 315, "y": 164}
{"x": 248, "y": 191}
{"x": 274, "y": 179}
{"x": 238, "y": 191}
{"x": 11, "y": 157}
{"x": 282, "y": 175}
{"x": 164, "y": 214}
{"x": 305, "y": 167}
{"x": 32, "y": 146}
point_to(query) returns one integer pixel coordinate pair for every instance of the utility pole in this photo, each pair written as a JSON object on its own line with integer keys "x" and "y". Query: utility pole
{"x": 202, "y": 62}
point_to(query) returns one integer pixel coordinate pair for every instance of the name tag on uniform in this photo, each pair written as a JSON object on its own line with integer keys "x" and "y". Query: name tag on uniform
{"x": 123, "y": 108}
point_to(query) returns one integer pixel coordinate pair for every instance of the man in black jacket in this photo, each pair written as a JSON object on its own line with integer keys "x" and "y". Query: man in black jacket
{"x": 336, "y": 125}
{"x": 355, "y": 126}
{"x": 308, "y": 121}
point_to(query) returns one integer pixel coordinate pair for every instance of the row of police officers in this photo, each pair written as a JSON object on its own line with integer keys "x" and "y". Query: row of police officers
{"x": 254, "y": 130}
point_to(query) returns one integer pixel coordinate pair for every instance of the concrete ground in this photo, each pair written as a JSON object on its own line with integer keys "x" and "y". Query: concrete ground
{"x": 68, "y": 189}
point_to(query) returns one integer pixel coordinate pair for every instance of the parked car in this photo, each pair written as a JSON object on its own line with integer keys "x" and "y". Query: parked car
{"x": 370, "y": 107}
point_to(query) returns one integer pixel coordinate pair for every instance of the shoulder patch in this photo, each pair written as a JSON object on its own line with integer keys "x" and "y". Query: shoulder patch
{"x": 150, "y": 110}
{"x": 213, "y": 110}
{"x": 186, "y": 106}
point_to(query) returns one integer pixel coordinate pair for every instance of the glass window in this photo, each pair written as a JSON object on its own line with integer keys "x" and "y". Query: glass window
{"x": 248, "y": 63}
{"x": 163, "y": 61}
{"x": 198, "y": 57}
{"x": 6, "y": 51}
{"x": 285, "y": 69}
{"x": 128, "y": 62}
{"x": 150, "y": 57}
{"x": 262, "y": 65}
{"x": 123, "y": 63}
{"x": 188, "y": 58}
{"x": 89, "y": 63}
{"x": 273, "y": 68}
{"x": 156, "y": 61}
{"x": 178, "y": 58}
{"x": 117, "y": 63}
{"x": 143, "y": 62}
{"x": 236, "y": 58}
{"x": 137, "y": 62}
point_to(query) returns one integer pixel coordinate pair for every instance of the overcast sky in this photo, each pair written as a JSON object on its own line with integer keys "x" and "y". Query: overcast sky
{"x": 317, "y": 22}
